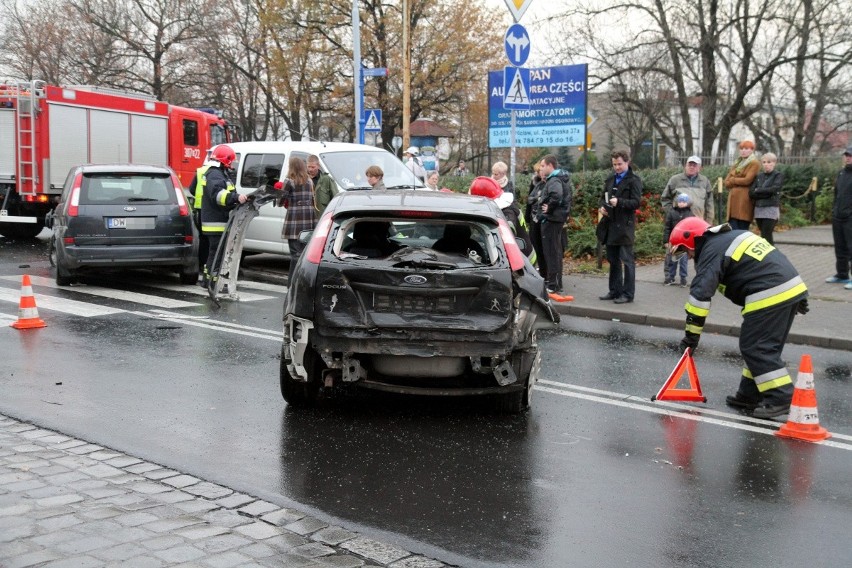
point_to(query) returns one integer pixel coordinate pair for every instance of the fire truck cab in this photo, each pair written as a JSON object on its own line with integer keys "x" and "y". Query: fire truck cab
{"x": 46, "y": 130}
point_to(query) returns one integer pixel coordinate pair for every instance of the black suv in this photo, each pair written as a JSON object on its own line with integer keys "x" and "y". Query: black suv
{"x": 123, "y": 216}
{"x": 414, "y": 292}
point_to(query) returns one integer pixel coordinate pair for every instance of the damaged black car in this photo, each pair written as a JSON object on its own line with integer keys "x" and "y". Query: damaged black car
{"x": 414, "y": 292}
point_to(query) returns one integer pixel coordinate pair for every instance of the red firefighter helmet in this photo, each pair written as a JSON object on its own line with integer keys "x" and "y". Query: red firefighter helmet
{"x": 684, "y": 233}
{"x": 485, "y": 187}
{"x": 224, "y": 154}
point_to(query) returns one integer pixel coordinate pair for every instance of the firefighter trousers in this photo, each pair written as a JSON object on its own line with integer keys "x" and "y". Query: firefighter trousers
{"x": 763, "y": 334}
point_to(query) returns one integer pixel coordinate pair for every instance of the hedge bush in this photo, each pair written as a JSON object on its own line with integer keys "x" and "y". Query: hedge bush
{"x": 797, "y": 208}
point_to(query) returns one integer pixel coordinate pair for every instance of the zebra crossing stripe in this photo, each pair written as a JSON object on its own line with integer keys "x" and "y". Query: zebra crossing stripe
{"x": 65, "y": 305}
{"x": 124, "y": 295}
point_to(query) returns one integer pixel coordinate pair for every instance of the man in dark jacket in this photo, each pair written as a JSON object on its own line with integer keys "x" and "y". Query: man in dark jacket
{"x": 755, "y": 275}
{"x": 841, "y": 223}
{"x": 552, "y": 209}
{"x": 217, "y": 201}
{"x": 621, "y": 199}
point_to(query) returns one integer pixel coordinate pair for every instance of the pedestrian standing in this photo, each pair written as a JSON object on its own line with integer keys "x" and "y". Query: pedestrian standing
{"x": 738, "y": 181}
{"x": 411, "y": 159}
{"x": 532, "y": 214}
{"x": 841, "y": 223}
{"x": 375, "y": 177}
{"x": 696, "y": 185}
{"x": 621, "y": 198}
{"x": 218, "y": 199}
{"x": 499, "y": 173}
{"x": 554, "y": 205}
{"x": 432, "y": 180}
{"x": 681, "y": 210}
{"x": 302, "y": 214}
{"x": 755, "y": 275}
{"x": 766, "y": 193}
{"x": 461, "y": 169}
{"x": 325, "y": 188}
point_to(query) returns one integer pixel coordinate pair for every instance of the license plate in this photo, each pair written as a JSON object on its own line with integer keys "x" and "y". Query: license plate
{"x": 116, "y": 222}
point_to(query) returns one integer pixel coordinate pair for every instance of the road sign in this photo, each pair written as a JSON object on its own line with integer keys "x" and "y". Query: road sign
{"x": 556, "y": 115}
{"x": 516, "y": 87}
{"x": 375, "y": 71}
{"x": 372, "y": 120}
{"x": 517, "y": 44}
{"x": 518, "y": 7}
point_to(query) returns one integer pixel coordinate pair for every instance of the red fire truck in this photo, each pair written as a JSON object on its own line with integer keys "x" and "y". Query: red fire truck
{"x": 45, "y": 130}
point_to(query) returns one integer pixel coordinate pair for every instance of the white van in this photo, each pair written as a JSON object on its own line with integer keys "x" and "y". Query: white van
{"x": 346, "y": 163}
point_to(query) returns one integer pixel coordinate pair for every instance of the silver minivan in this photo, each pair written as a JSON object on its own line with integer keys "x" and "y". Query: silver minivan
{"x": 260, "y": 162}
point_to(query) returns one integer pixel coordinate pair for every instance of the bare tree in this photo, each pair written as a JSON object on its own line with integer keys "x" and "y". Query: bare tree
{"x": 155, "y": 32}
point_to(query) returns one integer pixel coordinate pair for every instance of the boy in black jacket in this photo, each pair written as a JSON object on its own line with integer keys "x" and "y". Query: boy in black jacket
{"x": 681, "y": 210}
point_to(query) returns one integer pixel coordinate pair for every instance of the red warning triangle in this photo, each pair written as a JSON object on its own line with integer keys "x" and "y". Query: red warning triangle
{"x": 669, "y": 391}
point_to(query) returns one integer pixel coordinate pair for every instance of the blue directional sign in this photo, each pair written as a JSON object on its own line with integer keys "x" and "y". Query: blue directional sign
{"x": 374, "y": 71}
{"x": 517, "y": 43}
{"x": 372, "y": 120}
{"x": 516, "y": 87}
{"x": 557, "y": 108}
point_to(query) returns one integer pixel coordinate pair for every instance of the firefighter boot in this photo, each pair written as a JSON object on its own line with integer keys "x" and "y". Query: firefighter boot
{"x": 776, "y": 402}
{"x": 747, "y": 397}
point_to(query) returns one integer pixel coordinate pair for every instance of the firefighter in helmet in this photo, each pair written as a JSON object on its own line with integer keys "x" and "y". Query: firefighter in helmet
{"x": 487, "y": 187}
{"x": 217, "y": 200}
{"x": 755, "y": 275}
{"x": 199, "y": 181}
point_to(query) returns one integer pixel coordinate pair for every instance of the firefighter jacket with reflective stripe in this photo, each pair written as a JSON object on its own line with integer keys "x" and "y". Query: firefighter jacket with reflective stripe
{"x": 219, "y": 198}
{"x": 746, "y": 269}
{"x": 197, "y": 184}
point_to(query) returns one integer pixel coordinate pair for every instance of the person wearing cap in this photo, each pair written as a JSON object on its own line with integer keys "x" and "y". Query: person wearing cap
{"x": 738, "y": 181}
{"x": 841, "y": 223}
{"x": 681, "y": 210}
{"x": 696, "y": 185}
{"x": 411, "y": 158}
{"x": 766, "y": 193}
{"x": 488, "y": 187}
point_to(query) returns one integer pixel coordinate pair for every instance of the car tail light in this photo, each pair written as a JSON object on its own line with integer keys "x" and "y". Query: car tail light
{"x": 68, "y": 240}
{"x": 516, "y": 257}
{"x": 318, "y": 239}
{"x": 188, "y": 239}
{"x": 418, "y": 214}
{"x": 74, "y": 202}
{"x": 184, "y": 208}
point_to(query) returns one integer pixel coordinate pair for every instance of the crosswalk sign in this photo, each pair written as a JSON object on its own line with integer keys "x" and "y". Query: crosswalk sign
{"x": 373, "y": 120}
{"x": 516, "y": 88}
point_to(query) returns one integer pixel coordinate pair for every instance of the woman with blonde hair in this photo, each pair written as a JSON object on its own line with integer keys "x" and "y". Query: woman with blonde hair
{"x": 298, "y": 196}
{"x": 738, "y": 181}
{"x": 766, "y": 193}
{"x": 499, "y": 173}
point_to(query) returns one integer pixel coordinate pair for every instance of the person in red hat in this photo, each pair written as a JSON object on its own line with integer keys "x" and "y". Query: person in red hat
{"x": 488, "y": 187}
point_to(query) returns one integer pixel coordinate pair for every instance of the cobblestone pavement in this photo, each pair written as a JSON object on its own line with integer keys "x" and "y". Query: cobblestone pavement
{"x": 66, "y": 502}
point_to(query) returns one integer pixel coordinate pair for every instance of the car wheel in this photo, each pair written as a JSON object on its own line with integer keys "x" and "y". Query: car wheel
{"x": 526, "y": 365}
{"x": 297, "y": 393}
{"x": 64, "y": 277}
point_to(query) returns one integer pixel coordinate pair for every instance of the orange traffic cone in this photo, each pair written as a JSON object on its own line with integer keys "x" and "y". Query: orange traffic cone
{"x": 27, "y": 310}
{"x": 560, "y": 298}
{"x": 803, "y": 421}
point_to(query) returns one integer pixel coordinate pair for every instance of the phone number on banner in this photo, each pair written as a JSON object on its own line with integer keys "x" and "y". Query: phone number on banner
{"x": 531, "y": 137}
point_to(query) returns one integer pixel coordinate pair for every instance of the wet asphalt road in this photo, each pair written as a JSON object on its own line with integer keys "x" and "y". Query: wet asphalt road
{"x": 586, "y": 478}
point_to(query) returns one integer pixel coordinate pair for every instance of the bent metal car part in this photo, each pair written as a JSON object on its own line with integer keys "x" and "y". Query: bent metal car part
{"x": 226, "y": 263}
{"x": 414, "y": 292}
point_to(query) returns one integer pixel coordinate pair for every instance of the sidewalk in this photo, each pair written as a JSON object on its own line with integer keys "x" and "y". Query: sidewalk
{"x": 810, "y": 249}
{"x": 68, "y": 503}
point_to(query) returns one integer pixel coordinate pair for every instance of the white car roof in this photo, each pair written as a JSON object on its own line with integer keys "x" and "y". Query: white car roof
{"x": 310, "y": 147}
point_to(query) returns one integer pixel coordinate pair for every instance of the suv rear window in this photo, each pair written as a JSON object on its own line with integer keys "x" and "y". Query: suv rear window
{"x": 456, "y": 240}
{"x": 127, "y": 188}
